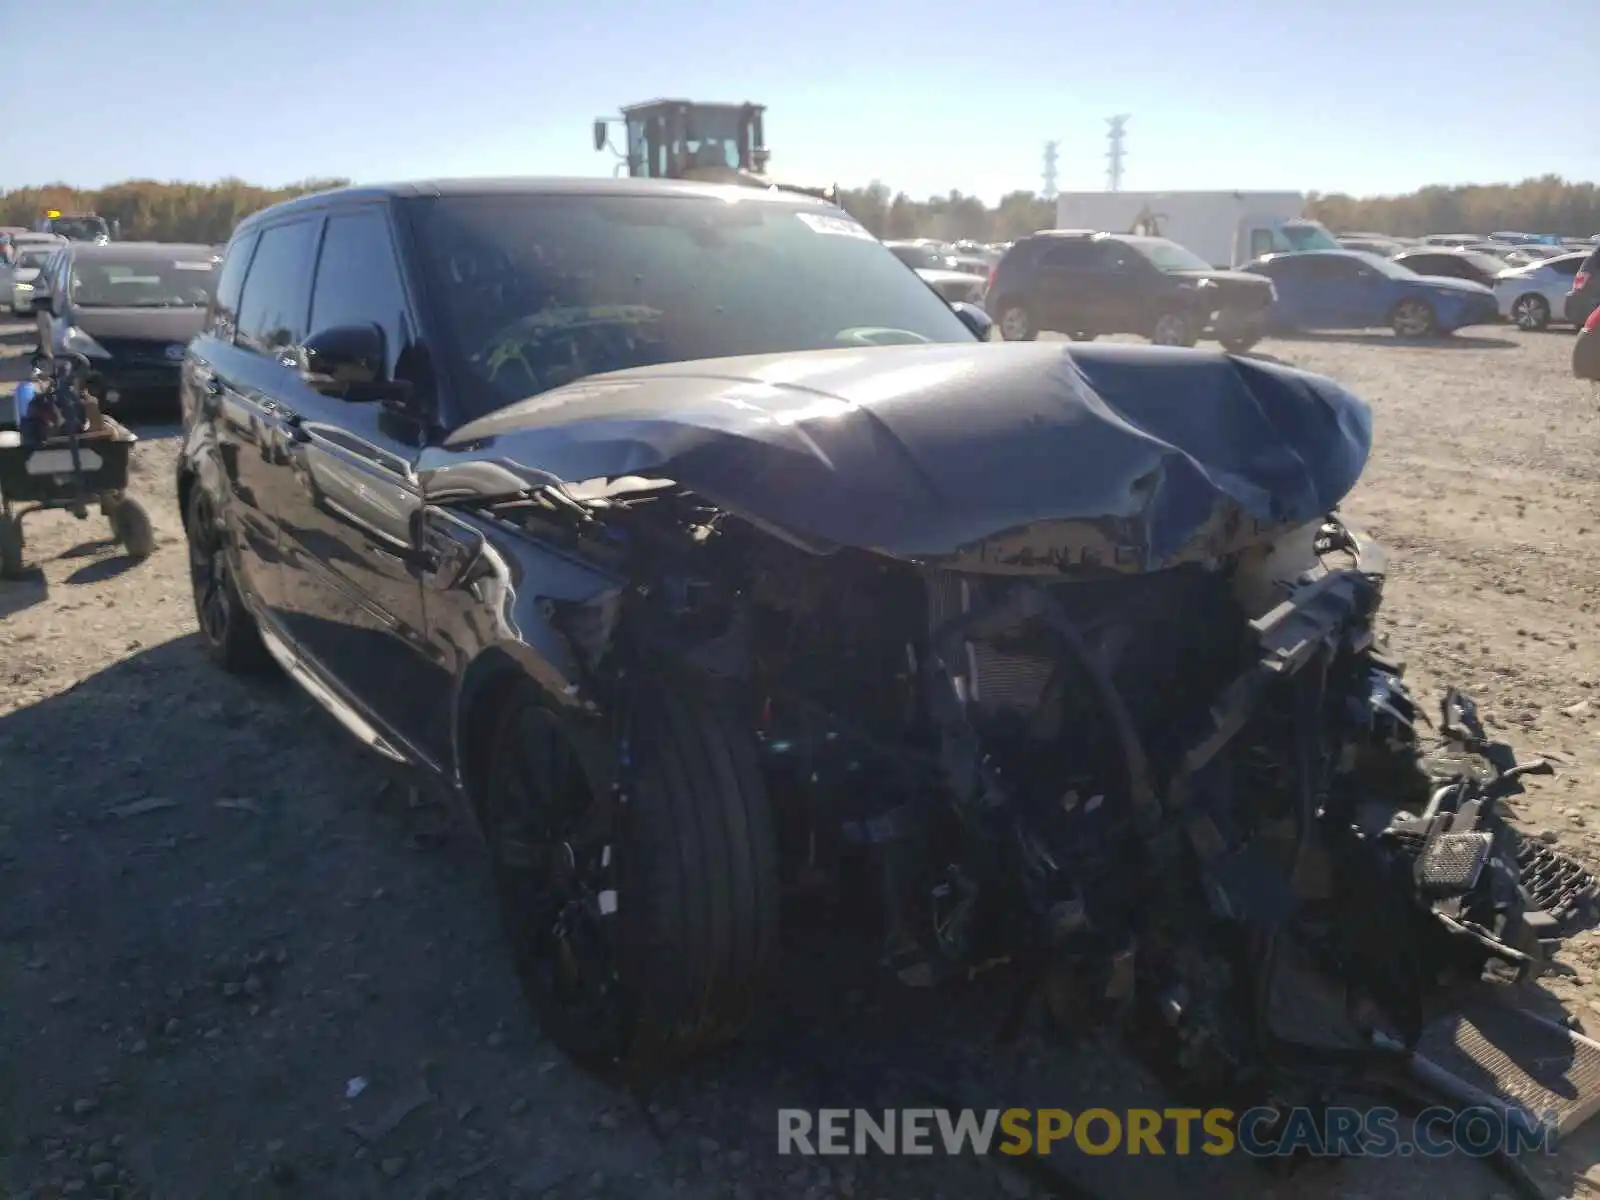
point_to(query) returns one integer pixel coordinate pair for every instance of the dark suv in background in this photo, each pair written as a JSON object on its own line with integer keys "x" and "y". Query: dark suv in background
{"x": 1584, "y": 297}
{"x": 1086, "y": 284}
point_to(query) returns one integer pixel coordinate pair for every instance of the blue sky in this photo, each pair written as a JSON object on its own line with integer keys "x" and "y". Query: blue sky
{"x": 1360, "y": 96}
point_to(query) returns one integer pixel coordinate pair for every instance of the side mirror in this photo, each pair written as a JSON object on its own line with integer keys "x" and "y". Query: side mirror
{"x": 600, "y": 134}
{"x": 348, "y": 362}
{"x": 974, "y": 318}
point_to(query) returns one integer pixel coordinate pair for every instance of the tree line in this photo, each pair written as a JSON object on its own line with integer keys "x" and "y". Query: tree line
{"x": 148, "y": 209}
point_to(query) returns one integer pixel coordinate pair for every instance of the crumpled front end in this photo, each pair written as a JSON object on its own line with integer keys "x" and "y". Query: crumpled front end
{"x": 1150, "y": 757}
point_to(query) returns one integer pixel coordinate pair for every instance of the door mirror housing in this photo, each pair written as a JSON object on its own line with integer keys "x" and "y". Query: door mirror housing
{"x": 974, "y": 318}
{"x": 350, "y": 362}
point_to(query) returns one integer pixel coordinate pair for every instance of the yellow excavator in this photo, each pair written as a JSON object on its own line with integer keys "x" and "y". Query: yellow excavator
{"x": 686, "y": 139}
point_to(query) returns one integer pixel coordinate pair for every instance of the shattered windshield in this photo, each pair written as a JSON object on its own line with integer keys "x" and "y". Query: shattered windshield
{"x": 539, "y": 290}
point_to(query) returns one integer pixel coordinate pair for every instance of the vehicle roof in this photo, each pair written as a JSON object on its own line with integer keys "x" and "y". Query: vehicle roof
{"x": 1359, "y": 255}
{"x": 1080, "y": 234}
{"x": 628, "y": 108}
{"x": 532, "y": 185}
{"x": 123, "y": 250}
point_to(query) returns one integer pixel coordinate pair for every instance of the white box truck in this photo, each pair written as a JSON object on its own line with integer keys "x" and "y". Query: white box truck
{"x": 1227, "y": 229}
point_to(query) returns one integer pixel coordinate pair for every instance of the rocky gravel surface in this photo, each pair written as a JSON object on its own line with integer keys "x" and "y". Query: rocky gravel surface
{"x": 238, "y": 959}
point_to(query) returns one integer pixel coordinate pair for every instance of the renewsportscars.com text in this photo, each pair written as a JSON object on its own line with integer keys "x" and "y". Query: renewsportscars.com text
{"x": 1256, "y": 1132}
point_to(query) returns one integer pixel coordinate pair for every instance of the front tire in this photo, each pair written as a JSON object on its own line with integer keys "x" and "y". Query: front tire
{"x": 228, "y": 633}
{"x": 1531, "y": 312}
{"x": 1414, "y": 319}
{"x": 642, "y": 917}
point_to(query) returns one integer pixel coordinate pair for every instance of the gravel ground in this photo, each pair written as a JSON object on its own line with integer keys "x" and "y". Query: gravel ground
{"x": 236, "y": 959}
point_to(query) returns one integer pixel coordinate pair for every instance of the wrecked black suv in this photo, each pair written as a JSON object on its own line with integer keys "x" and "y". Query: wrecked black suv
{"x": 703, "y": 581}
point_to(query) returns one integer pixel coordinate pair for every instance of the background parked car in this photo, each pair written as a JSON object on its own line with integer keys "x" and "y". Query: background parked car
{"x": 130, "y": 308}
{"x": 1581, "y": 302}
{"x": 12, "y": 246}
{"x": 1521, "y": 256}
{"x": 933, "y": 267}
{"x": 1087, "y": 284}
{"x": 1346, "y": 289}
{"x": 30, "y": 259}
{"x": 933, "y": 256}
{"x": 1387, "y": 247}
{"x": 1453, "y": 264}
{"x": 1535, "y": 295}
{"x": 1451, "y": 239}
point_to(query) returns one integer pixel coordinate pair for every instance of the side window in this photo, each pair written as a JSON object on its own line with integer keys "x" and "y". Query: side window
{"x": 223, "y": 320}
{"x": 272, "y": 310}
{"x": 1336, "y": 270}
{"x": 1261, "y": 242}
{"x": 1111, "y": 257}
{"x": 1567, "y": 267}
{"x": 1289, "y": 268}
{"x": 1073, "y": 255}
{"x": 358, "y": 280}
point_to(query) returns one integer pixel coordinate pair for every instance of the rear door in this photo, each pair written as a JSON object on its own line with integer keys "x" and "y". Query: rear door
{"x": 349, "y": 508}
{"x": 1066, "y": 274}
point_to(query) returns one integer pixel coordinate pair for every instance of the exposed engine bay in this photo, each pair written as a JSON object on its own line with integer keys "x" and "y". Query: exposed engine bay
{"x": 1145, "y": 788}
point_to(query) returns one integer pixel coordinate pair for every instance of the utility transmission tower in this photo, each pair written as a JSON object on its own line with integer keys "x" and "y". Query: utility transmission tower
{"x": 1118, "y": 130}
{"x": 1050, "y": 170}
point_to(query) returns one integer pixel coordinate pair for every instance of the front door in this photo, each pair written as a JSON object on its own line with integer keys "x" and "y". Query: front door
{"x": 246, "y": 387}
{"x": 1067, "y": 297}
{"x": 349, "y": 512}
{"x": 1119, "y": 278}
{"x": 1352, "y": 293}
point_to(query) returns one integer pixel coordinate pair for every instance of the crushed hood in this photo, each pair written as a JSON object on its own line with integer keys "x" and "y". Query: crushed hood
{"x": 1155, "y": 454}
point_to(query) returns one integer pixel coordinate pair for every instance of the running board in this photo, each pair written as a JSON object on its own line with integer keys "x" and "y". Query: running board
{"x": 337, "y": 708}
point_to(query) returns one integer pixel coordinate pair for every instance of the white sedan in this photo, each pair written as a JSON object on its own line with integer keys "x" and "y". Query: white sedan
{"x": 1534, "y": 295}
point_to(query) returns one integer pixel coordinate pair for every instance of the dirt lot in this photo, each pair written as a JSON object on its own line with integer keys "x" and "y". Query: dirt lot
{"x": 236, "y": 960}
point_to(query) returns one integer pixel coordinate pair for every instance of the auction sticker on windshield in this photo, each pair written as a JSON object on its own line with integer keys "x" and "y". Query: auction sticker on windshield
{"x": 191, "y": 266}
{"x": 839, "y": 226}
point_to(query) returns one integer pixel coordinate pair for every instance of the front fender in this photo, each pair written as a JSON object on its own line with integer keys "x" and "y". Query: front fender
{"x": 501, "y": 624}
